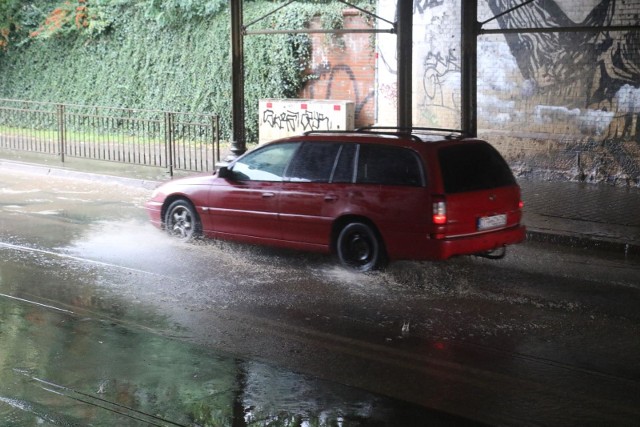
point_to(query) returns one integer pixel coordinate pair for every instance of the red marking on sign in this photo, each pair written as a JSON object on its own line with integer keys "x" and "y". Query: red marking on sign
{"x": 336, "y": 108}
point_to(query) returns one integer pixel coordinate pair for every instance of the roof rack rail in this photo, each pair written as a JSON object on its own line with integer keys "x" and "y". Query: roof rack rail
{"x": 311, "y": 132}
{"x": 367, "y": 130}
{"x": 410, "y": 129}
{"x": 393, "y": 130}
{"x": 413, "y": 130}
{"x": 389, "y": 130}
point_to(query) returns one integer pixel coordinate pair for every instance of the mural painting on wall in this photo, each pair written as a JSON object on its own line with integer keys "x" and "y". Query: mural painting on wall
{"x": 590, "y": 79}
{"x": 585, "y": 82}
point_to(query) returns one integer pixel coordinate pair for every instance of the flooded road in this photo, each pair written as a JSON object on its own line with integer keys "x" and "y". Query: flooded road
{"x": 63, "y": 368}
{"x": 107, "y": 321}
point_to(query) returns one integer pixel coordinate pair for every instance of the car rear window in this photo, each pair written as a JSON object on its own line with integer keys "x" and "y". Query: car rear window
{"x": 472, "y": 167}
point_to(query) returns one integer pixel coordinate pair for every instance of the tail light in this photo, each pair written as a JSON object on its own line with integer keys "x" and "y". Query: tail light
{"x": 439, "y": 210}
{"x": 520, "y": 204}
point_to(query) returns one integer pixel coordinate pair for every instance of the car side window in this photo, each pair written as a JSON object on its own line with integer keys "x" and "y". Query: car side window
{"x": 313, "y": 162}
{"x": 265, "y": 164}
{"x": 381, "y": 164}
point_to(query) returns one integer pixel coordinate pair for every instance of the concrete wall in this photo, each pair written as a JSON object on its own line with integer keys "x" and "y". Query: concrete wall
{"x": 559, "y": 106}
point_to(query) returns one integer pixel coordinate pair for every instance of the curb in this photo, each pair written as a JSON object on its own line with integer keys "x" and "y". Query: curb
{"x": 88, "y": 176}
{"x": 584, "y": 242}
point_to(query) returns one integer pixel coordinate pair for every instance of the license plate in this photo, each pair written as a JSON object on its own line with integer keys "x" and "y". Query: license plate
{"x": 487, "y": 222}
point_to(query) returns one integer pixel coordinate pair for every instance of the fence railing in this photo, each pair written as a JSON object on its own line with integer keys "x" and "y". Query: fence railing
{"x": 171, "y": 140}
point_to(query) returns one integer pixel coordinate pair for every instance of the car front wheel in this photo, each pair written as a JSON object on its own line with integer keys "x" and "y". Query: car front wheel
{"x": 182, "y": 221}
{"x": 359, "y": 247}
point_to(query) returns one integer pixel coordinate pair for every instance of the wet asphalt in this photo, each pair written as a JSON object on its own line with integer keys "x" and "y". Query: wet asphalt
{"x": 104, "y": 316}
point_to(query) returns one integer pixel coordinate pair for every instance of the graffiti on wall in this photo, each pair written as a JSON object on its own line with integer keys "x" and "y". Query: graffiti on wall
{"x": 439, "y": 71}
{"x": 286, "y": 120}
{"x": 420, "y": 6}
{"x": 327, "y": 75}
{"x": 293, "y": 122}
{"x": 280, "y": 118}
{"x": 597, "y": 72}
{"x": 437, "y": 44}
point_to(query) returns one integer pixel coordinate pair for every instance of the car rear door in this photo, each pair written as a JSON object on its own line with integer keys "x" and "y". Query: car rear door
{"x": 392, "y": 192}
{"x": 481, "y": 194}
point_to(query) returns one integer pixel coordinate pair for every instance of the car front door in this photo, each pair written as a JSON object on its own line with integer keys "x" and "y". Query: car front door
{"x": 245, "y": 205}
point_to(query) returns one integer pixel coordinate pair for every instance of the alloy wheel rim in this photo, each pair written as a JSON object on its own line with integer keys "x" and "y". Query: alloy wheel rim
{"x": 181, "y": 223}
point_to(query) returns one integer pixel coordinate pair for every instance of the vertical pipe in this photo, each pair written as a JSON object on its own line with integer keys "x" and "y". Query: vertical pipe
{"x": 217, "y": 137}
{"x": 214, "y": 144}
{"x": 470, "y": 30}
{"x": 238, "y": 145}
{"x": 168, "y": 141}
{"x": 61, "y": 131}
{"x": 405, "y": 62}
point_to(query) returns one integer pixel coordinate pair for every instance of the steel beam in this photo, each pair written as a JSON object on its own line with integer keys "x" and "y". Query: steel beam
{"x": 469, "y": 65}
{"x": 574, "y": 29}
{"x": 238, "y": 142}
{"x": 405, "y": 63}
{"x": 320, "y": 31}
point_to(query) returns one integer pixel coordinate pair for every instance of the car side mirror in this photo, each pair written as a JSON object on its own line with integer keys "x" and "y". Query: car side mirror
{"x": 225, "y": 172}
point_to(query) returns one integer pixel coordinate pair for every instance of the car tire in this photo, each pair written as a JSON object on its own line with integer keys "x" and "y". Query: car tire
{"x": 182, "y": 221}
{"x": 359, "y": 247}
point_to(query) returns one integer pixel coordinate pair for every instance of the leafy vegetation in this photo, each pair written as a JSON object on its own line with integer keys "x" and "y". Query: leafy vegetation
{"x": 154, "y": 54}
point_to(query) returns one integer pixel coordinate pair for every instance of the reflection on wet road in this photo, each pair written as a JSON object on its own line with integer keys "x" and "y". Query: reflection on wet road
{"x": 104, "y": 317}
{"x": 61, "y": 368}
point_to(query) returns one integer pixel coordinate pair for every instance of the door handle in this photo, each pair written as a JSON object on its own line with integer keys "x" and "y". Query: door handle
{"x": 330, "y": 198}
{"x": 269, "y": 194}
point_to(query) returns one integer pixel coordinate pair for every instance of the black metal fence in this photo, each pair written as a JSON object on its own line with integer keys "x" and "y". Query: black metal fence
{"x": 181, "y": 141}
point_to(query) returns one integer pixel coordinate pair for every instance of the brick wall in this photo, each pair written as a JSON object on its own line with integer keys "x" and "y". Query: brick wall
{"x": 344, "y": 68}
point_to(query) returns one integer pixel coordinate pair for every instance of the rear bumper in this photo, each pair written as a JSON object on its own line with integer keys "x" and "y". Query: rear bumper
{"x": 468, "y": 245}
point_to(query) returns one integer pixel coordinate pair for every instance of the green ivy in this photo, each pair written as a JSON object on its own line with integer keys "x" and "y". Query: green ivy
{"x": 160, "y": 55}
{"x": 171, "y": 12}
{"x": 16, "y": 18}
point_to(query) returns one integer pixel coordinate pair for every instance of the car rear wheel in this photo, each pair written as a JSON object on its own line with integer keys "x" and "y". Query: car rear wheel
{"x": 359, "y": 247}
{"x": 182, "y": 221}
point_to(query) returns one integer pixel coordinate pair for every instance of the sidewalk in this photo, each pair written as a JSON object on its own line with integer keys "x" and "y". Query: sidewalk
{"x": 577, "y": 214}
{"x": 581, "y": 214}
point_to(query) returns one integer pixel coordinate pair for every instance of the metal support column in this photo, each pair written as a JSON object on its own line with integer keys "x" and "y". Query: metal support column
{"x": 469, "y": 86}
{"x": 238, "y": 143}
{"x": 405, "y": 62}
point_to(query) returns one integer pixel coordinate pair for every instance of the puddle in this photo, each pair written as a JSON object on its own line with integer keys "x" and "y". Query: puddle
{"x": 59, "y": 368}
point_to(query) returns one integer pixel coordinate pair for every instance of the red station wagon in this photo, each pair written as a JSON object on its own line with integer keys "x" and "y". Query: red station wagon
{"x": 369, "y": 196}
